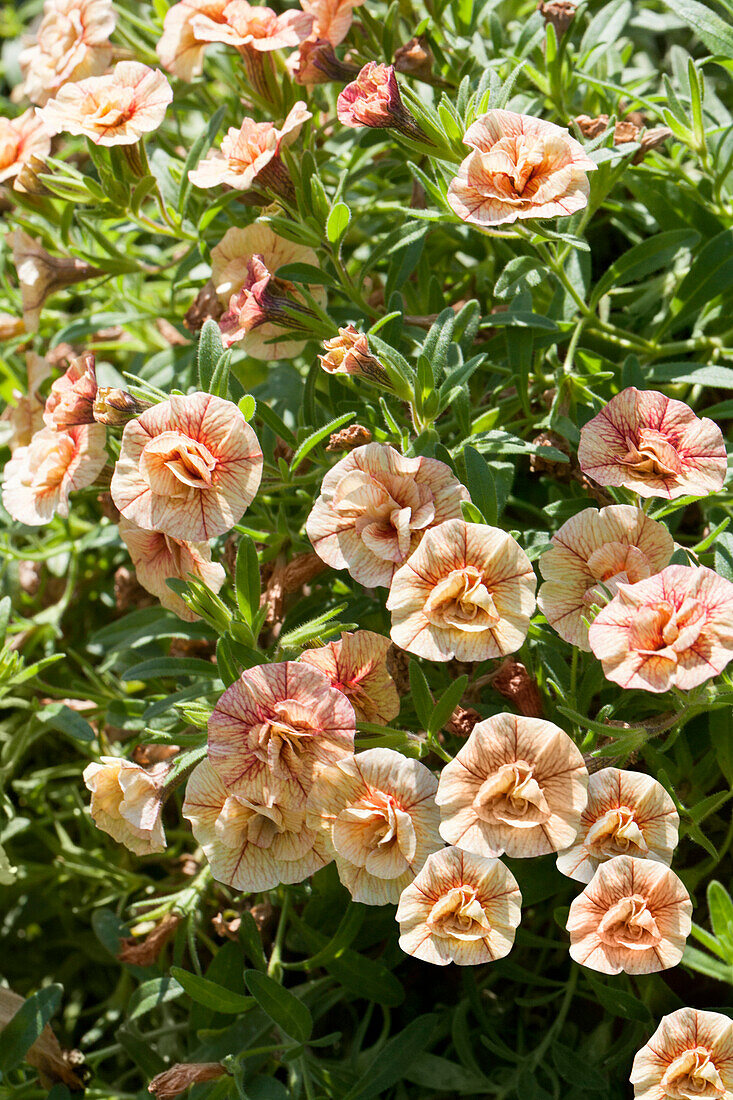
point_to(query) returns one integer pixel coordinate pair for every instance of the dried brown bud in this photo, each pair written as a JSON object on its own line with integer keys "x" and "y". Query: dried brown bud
{"x": 170, "y": 333}
{"x": 513, "y": 682}
{"x": 147, "y": 755}
{"x": 115, "y": 407}
{"x": 624, "y": 132}
{"x": 415, "y": 58}
{"x": 348, "y": 438}
{"x": 206, "y": 306}
{"x": 286, "y": 578}
{"x": 651, "y": 139}
{"x": 349, "y": 353}
{"x": 227, "y": 925}
{"x": 27, "y": 179}
{"x": 130, "y": 595}
{"x": 462, "y": 721}
{"x": 178, "y": 1078}
{"x": 558, "y": 12}
{"x": 540, "y": 465}
{"x": 146, "y": 952}
{"x": 398, "y": 666}
{"x": 591, "y": 127}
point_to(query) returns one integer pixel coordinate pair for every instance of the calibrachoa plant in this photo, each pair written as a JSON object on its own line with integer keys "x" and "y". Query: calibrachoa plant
{"x": 368, "y": 588}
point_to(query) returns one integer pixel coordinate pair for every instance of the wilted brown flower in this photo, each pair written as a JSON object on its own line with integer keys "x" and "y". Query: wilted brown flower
{"x": 173, "y": 1081}
{"x": 45, "y": 1054}
{"x": 560, "y": 13}
{"x": 41, "y": 274}
{"x": 415, "y": 58}
{"x": 513, "y": 682}
{"x": 145, "y": 952}
{"x": 356, "y": 435}
{"x": 317, "y": 63}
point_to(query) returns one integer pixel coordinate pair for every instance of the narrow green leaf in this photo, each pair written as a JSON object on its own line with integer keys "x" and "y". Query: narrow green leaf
{"x": 284, "y": 1009}
{"x": 337, "y": 222}
{"x": 211, "y": 995}
{"x": 313, "y": 440}
{"x": 480, "y": 483}
{"x": 209, "y": 352}
{"x": 422, "y": 698}
{"x": 247, "y": 579}
{"x": 446, "y": 704}
{"x": 19, "y": 1035}
{"x": 391, "y": 1063}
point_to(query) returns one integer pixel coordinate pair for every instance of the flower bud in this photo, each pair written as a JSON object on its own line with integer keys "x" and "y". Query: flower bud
{"x": 114, "y": 407}
{"x": 41, "y": 274}
{"x": 348, "y": 353}
{"x": 374, "y": 100}
{"x": 72, "y": 396}
{"x": 262, "y": 300}
{"x": 317, "y": 63}
{"x": 560, "y": 13}
{"x": 415, "y": 58}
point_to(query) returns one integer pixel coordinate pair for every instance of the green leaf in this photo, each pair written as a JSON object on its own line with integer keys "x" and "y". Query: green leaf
{"x": 313, "y": 440}
{"x": 151, "y": 994}
{"x": 480, "y": 483}
{"x": 390, "y": 1064}
{"x": 171, "y": 666}
{"x": 19, "y": 1035}
{"x": 716, "y": 34}
{"x": 618, "y": 1002}
{"x": 422, "y": 698}
{"x": 337, "y": 222}
{"x": 211, "y": 995}
{"x": 717, "y": 377}
{"x": 62, "y": 718}
{"x": 247, "y": 579}
{"x": 249, "y": 937}
{"x": 209, "y": 352}
{"x": 710, "y": 275}
{"x": 446, "y": 704}
{"x": 644, "y": 258}
{"x": 724, "y": 556}
{"x": 521, "y": 273}
{"x": 198, "y": 150}
{"x": 721, "y": 911}
{"x": 248, "y": 406}
{"x": 707, "y": 964}
{"x": 284, "y": 1009}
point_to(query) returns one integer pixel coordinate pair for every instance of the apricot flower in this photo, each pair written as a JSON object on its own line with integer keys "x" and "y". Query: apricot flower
{"x": 39, "y": 477}
{"x": 247, "y": 26}
{"x": 230, "y": 271}
{"x": 21, "y": 420}
{"x": 374, "y": 100}
{"x": 71, "y": 399}
{"x": 21, "y": 139}
{"x": 188, "y": 467}
{"x": 518, "y": 785}
{"x": 520, "y": 167}
{"x": 634, "y": 915}
{"x": 654, "y": 445}
{"x": 159, "y": 557}
{"x": 72, "y": 42}
{"x": 673, "y": 630}
{"x": 250, "y": 156}
{"x": 591, "y": 554}
{"x": 126, "y": 802}
{"x": 114, "y": 109}
{"x": 331, "y": 18}
{"x": 461, "y": 908}
{"x": 628, "y": 813}
{"x": 374, "y": 507}
{"x": 274, "y": 726}
{"x": 467, "y": 592}
{"x": 689, "y": 1057}
{"x": 251, "y": 843}
{"x": 179, "y": 50}
{"x": 378, "y": 815}
{"x": 357, "y": 666}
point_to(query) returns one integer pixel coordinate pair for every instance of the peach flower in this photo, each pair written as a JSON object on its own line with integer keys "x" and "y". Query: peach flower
{"x": 250, "y": 156}
{"x": 634, "y": 915}
{"x": 331, "y": 18}
{"x": 274, "y": 726}
{"x": 251, "y": 843}
{"x": 179, "y": 50}
{"x": 628, "y": 813}
{"x": 39, "y": 477}
{"x": 378, "y": 815}
{"x": 230, "y": 271}
{"x": 72, "y": 42}
{"x": 520, "y": 167}
{"x": 591, "y": 554}
{"x": 158, "y": 557}
{"x": 518, "y": 785}
{"x": 21, "y": 420}
{"x": 653, "y": 445}
{"x": 375, "y": 506}
{"x": 673, "y": 630}
{"x": 114, "y": 109}
{"x": 467, "y": 592}
{"x": 71, "y": 399}
{"x": 249, "y": 27}
{"x": 357, "y": 666}
{"x": 689, "y": 1057}
{"x": 461, "y": 908}
{"x": 188, "y": 467}
{"x": 374, "y": 100}
{"x": 21, "y": 139}
{"x": 126, "y": 802}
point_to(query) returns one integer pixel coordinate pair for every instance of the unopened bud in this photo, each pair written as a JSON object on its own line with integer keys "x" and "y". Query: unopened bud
{"x": 374, "y": 100}
{"x": 318, "y": 64}
{"x": 114, "y": 407}
{"x": 558, "y": 12}
{"x": 349, "y": 353}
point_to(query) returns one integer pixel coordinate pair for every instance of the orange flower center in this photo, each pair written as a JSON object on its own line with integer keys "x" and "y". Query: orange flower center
{"x": 50, "y": 463}
{"x": 512, "y": 796}
{"x": 652, "y": 455}
{"x": 240, "y": 819}
{"x": 616, "y": 833}
{"x": 172, "y": 464}
{"x": 386, "y": 516}
{"x": 691, "y": 1075}
{"x": 376, "y": 833}
{"x": 462, "y": 601}
{"x": 10, "y": 145}
{"x": 612, "y": 564}
{"x": 111, "y": 112}
{"x": 459, "y": 914}
{"x": 630, "y": 924}
{"x": 282, "y": 739}
{"x": 666, "y": 631}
